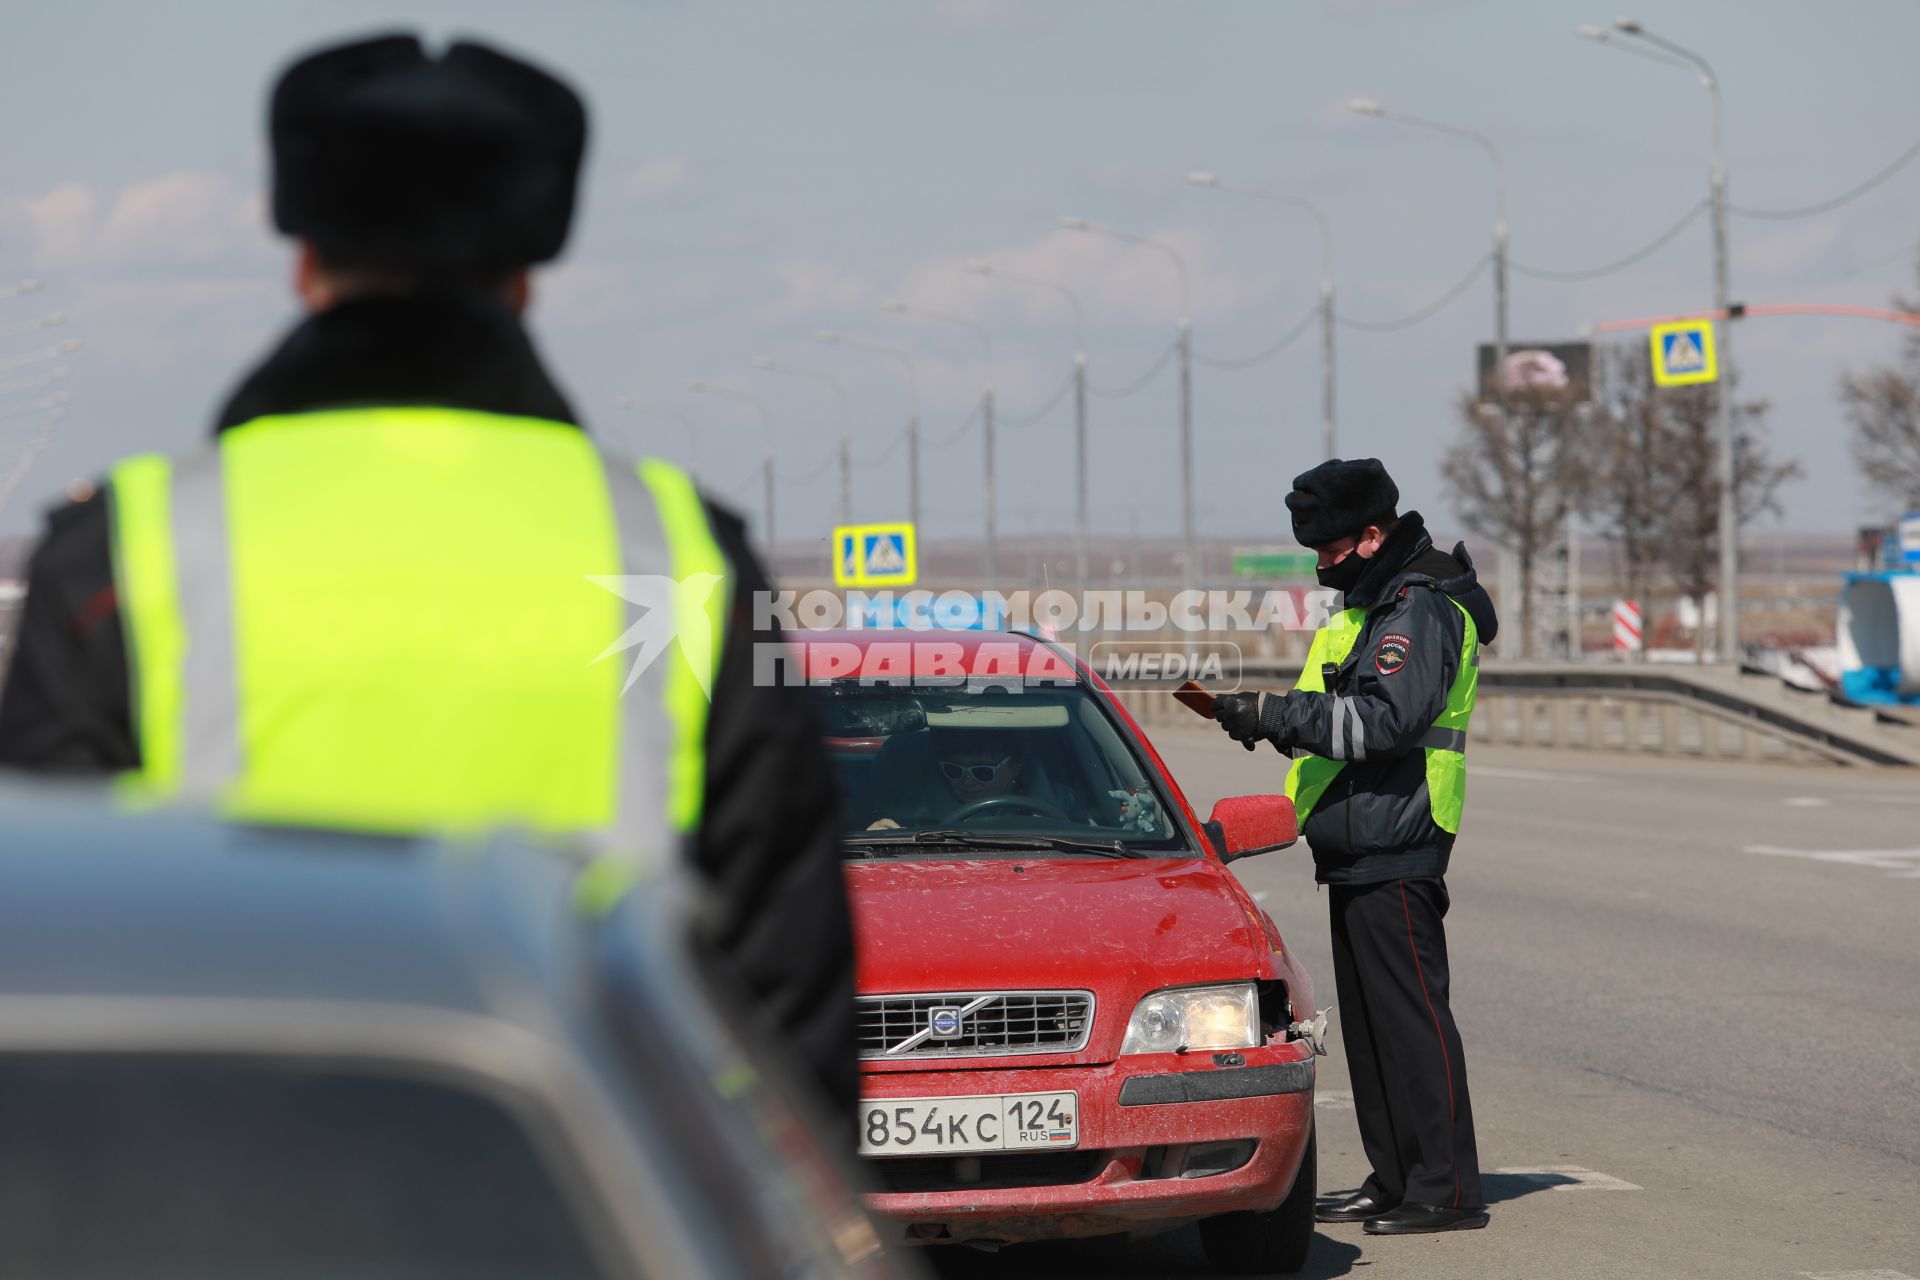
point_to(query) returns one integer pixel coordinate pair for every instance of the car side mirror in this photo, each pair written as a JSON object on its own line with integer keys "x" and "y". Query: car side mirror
{"x": 1242, "y": 826}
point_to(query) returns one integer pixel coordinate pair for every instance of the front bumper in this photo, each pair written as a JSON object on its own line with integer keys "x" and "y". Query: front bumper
{"x": 1142, "y": 1119}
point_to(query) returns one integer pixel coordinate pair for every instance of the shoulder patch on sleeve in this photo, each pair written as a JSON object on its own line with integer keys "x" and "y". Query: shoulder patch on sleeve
{"x": 1390, "y": 655}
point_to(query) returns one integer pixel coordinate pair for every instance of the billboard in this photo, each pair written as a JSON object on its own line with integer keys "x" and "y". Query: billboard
{"x": 1540, "y": 366}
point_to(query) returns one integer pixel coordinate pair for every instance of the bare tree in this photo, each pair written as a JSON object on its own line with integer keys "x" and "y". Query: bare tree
{"x": 1515, "y": 474}
{"x": 1690, "y": 532}
{"x": 1883, "y": 405}
{"x": 1652, "y": 481}
{"x": 1627, "y": 493}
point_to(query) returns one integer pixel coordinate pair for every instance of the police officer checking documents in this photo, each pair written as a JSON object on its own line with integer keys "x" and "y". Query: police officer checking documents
{"x": 1380, "y": 716}
{"x": 400, "y": 590}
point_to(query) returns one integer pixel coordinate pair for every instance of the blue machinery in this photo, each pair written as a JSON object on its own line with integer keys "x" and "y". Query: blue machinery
{"x": 1879, "y": 624}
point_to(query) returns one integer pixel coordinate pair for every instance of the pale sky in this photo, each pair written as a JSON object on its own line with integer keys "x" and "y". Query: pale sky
{"x": 760, "y": 171}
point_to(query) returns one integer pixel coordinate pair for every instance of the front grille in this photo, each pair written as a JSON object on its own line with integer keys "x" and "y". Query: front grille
{"x": 991, "y": 1024}
{"x": 985, "y": 1172}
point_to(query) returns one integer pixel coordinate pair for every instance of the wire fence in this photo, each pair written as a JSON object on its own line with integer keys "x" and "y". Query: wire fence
{"x": 1017, "y": 421}
{"x": 1427, "y": 312}
{"x": 954, "y": 437}
{"x": 886, "y": 454}
{"x": 1140, "y": 383}
{"x": 1261, "y": 357}
{"x": 817, "y": 470}
{"x": 1828, "y": 206}
{"x": 1644, "y": 252}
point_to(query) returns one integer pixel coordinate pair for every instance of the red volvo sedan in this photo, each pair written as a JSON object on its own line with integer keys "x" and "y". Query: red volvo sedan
{"x": 1074, "y": 1020}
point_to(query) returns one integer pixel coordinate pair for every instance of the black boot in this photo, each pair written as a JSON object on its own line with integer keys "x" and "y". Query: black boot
{"x": 1355, "y": 1208}
{"x": 1419, "y": 1219}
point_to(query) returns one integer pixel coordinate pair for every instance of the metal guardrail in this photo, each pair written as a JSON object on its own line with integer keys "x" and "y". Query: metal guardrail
{"x": 1700, "y": 712}
{"x": 1658, "y": 709}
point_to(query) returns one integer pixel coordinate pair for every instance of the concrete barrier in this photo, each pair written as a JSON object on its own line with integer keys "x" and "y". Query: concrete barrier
{"x": 1697, "y": 712}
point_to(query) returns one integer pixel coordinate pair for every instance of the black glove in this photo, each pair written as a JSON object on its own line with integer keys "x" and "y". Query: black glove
{"x": 1248, "y": 717}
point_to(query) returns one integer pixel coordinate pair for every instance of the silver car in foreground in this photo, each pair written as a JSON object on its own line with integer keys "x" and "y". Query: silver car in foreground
{"x": 246, "y": 1052}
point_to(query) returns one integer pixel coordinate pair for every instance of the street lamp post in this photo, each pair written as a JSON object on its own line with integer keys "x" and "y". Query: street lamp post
{"x": 1328, "y": 432}
{"x": 41, "y": 437}
{"x": 759, "y": 406}
{"x": 1674, "y": 55}
{"x": 904, "y": 356}
{"x": 990, "y": 555}
{"x": 671, "y": 415}
{"x": 51, "y": 320}
{"x": 1183, "y": 341}
{"x": 42, "y": 405}
{"x": 54, "y": 352}
{"x": 1080, "y": 535}
{"x": 767, "y": 364}
{"x": 58, "y": 373}
{"x": 1369, "y": 107}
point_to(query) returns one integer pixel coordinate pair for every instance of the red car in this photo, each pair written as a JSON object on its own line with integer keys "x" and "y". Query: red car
{"x": 1074, "y": 1020}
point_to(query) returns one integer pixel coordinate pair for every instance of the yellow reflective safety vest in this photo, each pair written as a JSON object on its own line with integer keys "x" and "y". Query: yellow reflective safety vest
{"x": 1444, "y": 743}
{"x": 413, "y": 619}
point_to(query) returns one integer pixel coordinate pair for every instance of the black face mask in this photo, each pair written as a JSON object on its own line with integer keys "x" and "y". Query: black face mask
{"x": 1342, "y": 577}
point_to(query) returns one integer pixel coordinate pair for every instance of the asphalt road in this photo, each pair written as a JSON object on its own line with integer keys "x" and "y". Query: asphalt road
{"x": 1690, "y": 998}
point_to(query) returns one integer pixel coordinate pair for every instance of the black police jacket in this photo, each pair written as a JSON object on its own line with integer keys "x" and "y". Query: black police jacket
{"x": 769, "y": 843}
{"x": 1374, "y": 822}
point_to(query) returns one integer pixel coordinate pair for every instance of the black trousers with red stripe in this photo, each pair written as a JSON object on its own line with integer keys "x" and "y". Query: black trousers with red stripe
{"x": 1403, "y": 1050}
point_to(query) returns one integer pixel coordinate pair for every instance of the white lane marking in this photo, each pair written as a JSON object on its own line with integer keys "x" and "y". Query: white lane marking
{"x": 1880, "y": 1273}
{"x": 1899, "y": 864}
{"x": 1333, "y": 1099}
{"x": 1522, "y": 775}
{"x": 1805, "y": 802}
{"x": 1571, "y": 1177}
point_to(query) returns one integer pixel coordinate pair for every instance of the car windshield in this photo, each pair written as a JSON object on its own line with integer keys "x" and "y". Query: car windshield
{"x": 925, "y": 767}
{"x": 143, "y": 1165}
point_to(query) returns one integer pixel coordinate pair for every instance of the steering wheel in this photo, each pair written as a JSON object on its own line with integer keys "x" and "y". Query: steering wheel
{"x": 1024, "y": 804}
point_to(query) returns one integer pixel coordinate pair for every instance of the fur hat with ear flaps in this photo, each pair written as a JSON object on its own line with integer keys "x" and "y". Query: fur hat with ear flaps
{"x": 387, "y": 157}
{"x": 1339, "y": 498}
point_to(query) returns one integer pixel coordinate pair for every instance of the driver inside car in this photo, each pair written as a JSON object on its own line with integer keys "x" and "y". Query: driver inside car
{"x": 928, "y": 777}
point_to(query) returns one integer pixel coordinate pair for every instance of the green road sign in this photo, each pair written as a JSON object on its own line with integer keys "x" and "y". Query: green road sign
{"x": 1273, "y": 562}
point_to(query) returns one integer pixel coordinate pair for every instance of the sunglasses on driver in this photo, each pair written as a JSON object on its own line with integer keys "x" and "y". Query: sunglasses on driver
{"x": 982, "y": 773}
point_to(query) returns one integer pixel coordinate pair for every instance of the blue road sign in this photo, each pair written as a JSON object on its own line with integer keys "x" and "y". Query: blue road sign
{"x": 874, "y": 555}
{"x": 1683, "y": 353}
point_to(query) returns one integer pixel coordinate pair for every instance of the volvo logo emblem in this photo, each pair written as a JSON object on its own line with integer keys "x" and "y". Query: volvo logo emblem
{"x": 943, "y": 1023}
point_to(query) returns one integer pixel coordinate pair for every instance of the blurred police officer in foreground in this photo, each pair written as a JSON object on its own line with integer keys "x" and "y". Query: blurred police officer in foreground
{"x": 368, "y": 603}
{"x": 1381, "y": 709}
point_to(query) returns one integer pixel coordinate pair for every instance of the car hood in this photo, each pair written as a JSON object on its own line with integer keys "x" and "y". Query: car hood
{"x": 1116, "y": 928}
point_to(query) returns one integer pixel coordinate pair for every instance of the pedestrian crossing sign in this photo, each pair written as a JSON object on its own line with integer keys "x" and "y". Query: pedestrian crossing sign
{"x": 1683, "y": 353}
{"x": 874, "y": 555}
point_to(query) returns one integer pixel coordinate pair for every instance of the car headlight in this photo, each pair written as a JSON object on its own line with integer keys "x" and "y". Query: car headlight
{"x": 1223, "y": 1017}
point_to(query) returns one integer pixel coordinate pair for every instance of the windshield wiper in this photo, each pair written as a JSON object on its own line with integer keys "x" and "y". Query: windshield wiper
{"x": 952, "y": 838}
